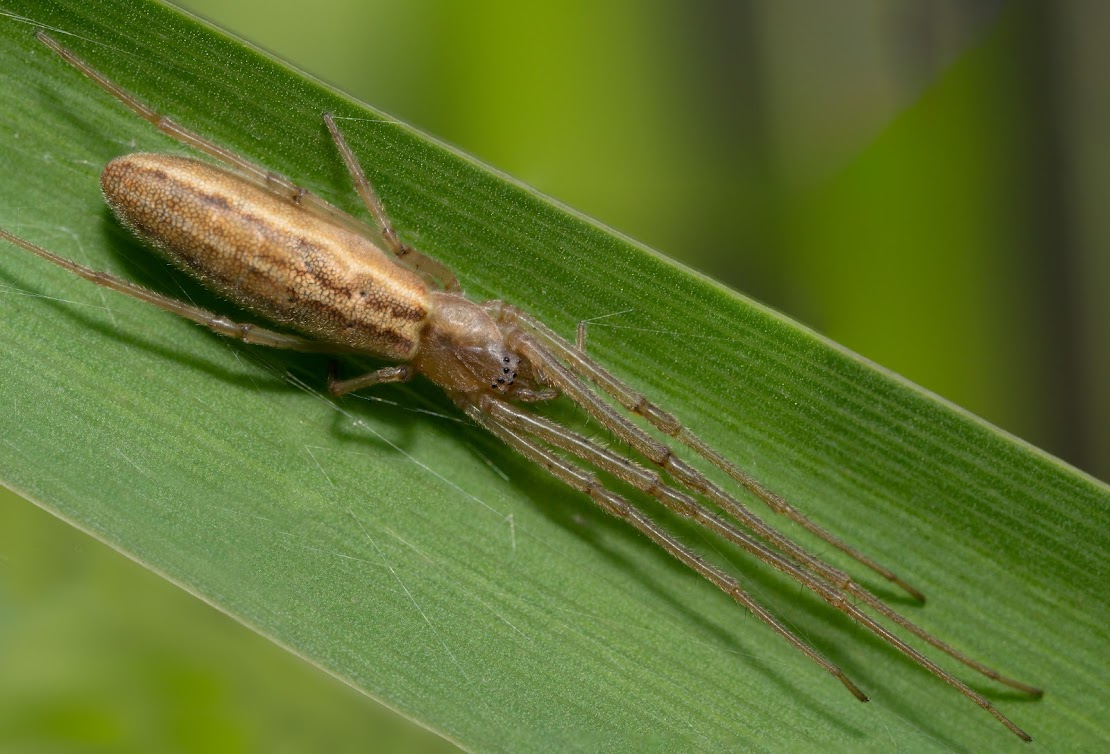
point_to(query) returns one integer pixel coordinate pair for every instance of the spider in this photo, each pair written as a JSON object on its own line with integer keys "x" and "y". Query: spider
{"x": 287, "y": 255}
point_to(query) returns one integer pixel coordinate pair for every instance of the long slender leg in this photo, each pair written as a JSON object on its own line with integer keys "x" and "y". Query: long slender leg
{"x": 398, "y": 373}
{"x": 658, "y": 453}
{"x": 267, "y": 179}
{"x": 561, "y": 378}
{"x": 617, "y": 506}
{"x": 650, "y": 482}
{"x": 218, "y": 324}
{"x": 637, "y": 403}
{"x": 417, "y": 261}
{"x": 274, "y": 181}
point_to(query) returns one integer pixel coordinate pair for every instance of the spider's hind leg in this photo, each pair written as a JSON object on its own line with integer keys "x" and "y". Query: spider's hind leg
{"x": 217, "y": 323}
{"x": 275, "y": 183}
{"x": 268, "y": 179}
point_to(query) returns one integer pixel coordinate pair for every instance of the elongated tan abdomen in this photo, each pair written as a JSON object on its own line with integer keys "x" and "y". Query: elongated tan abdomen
{"x": 269, "y": 255}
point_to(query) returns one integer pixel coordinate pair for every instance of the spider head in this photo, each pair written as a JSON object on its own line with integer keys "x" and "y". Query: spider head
{"x": 463, "y": 350}
{"x": 489, "y": 367}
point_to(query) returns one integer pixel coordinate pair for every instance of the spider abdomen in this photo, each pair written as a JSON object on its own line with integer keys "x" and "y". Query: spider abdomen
{"x": 269, "y": 255}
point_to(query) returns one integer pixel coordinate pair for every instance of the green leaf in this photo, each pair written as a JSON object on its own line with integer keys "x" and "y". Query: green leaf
{"x": 402, "y": 550}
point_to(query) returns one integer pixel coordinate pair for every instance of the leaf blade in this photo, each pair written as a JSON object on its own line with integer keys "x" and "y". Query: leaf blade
{"x": 380, "y": 544}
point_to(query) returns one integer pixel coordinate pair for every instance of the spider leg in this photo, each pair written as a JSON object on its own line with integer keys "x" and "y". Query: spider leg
{"x": 398, "y": 373}
{"x": 824, "y": 577}
{"x": 635, "y": 402}
{"x": 559, "y": 376}
{"x": 217, "y": 323}
{"x": 275, "y": 183}
{"x": 650, "y": 482}
{"x": 433, "y": 271}
{"x": 616, "y": 505}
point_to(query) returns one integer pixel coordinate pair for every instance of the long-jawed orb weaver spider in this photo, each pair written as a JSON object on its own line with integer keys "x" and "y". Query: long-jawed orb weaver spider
{"x": 278, "y": 250}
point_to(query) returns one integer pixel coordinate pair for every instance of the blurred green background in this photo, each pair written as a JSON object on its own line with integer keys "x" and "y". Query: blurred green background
{"x": 921, "y": 180}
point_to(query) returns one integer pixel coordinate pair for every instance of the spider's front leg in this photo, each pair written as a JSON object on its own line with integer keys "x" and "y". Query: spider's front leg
{"x": 581, "y": 367}
{"x": 582, "y": 480}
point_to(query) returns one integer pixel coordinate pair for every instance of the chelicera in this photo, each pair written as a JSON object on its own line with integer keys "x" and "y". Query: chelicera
{"x": 285, "y": 254}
